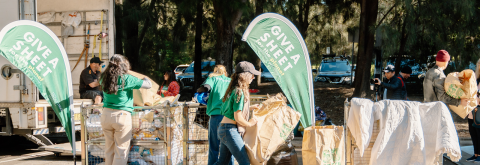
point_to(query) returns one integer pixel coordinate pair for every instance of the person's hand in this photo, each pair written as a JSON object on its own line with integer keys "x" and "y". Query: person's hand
{"x": 378, "y": 81}
{"x": 464, "y": 102}
{"x": 201, "y": 89}
{"x": 253, "y": 121}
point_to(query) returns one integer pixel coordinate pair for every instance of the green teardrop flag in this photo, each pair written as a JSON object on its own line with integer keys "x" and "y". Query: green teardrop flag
{"x": 279, "y": 45}
{"x": 37, "y": 52}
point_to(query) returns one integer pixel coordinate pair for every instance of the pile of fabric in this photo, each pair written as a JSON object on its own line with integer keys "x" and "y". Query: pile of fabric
{"x": 410, "y": 132}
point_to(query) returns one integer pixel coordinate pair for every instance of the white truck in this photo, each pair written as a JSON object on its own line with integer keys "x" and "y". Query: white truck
{"x": 23, "y": 111}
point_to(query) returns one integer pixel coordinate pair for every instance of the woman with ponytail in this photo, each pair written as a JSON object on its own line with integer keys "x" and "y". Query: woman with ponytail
{"x": 236, "y": 105}
{"x": 116, "y": 119}
{"x": 216, "y": 84}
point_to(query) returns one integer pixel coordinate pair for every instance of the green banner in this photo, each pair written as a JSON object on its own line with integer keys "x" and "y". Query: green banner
{"x": 37, "y": 52}
{"x": 282, "y": 49}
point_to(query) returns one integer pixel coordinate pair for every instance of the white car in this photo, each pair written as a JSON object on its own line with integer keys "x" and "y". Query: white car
{"x": 180, "y": 69}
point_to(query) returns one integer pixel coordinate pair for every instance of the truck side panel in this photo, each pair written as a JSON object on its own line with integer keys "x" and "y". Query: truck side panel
{"x": 74, "y": 45}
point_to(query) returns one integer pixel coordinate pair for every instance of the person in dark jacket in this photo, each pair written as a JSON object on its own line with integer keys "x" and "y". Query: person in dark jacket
{"x": 474, "y": 132}
{"x": 394, "y": 87}
{"x": 405, "y": 73}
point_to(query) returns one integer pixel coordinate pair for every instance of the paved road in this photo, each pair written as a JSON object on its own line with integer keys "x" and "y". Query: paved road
{"x": 19, "y": 151}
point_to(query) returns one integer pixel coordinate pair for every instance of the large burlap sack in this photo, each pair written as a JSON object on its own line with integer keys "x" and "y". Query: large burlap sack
{"x": 142, "y": 97}
{"x": 323, "y": 145}
{"x": 462, "y": 85}
{"x": 276, "y": 121}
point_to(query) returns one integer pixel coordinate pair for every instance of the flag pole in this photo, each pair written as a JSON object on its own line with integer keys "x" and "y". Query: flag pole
{"x": 74, "y": 150}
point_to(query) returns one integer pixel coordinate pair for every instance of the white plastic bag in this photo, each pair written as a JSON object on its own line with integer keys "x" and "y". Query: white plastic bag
{"x": 94, "y": 124}
{"x": 67, "y": 31}
{"x": 71, "y": 18}
{"x": 46, "y": 17}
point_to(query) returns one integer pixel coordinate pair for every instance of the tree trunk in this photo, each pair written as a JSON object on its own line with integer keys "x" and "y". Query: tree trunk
{"x": 227, "y": 17}
{"x": 403, "y": 42}
{"x": 256, "y": 61}
{"x": 368, "y": 18}
{"x": 198, "y": 46}
{"x": 131, "y": 31}
{"x": 303, "y": 17}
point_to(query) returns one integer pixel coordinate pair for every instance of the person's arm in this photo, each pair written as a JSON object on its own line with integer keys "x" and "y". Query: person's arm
{"x": 395, "y": 84}
{"x": 88, "y": 79}
{"x": 173, "y": 89}
{"x": 439, "y": 89}
{"x": 94, "y": 84}
{"x": 204, "y": 88}
{"x": 147, "y": 84}
{"x": 241, "y": 120}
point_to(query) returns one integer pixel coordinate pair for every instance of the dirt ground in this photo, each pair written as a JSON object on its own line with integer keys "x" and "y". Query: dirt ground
{"x": 330, "y": 98}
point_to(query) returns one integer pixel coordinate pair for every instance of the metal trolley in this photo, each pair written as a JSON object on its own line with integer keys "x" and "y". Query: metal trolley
{"x": 155, "y": 130}
{"x": 176, "y": 134}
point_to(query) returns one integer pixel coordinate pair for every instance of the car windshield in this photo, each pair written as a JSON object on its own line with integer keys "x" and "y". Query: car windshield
{"x": 335, "y": 67}
{"x": 207, "y": 66}
{"x": 180, "y": 68}
{"x": 264, "y": 68}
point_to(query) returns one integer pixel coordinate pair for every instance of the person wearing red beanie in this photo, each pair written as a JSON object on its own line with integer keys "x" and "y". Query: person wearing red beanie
{"x": 433, "y": 84}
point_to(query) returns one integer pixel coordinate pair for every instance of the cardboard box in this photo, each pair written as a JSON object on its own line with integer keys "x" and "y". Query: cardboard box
{"x": 143, "y": 97}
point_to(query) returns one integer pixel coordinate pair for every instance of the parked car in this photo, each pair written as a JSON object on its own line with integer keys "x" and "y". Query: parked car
{"x": 186, "y": 79}
{"x": 335, "y": 70}
{"x": 179, "y": 69}
{"x": 266, "y": 75}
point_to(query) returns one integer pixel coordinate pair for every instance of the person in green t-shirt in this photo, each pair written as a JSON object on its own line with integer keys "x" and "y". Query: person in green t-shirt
{"x": 116, "y": 119}
{"x": 217, "y": 84}
{"x": 235, "y": 102}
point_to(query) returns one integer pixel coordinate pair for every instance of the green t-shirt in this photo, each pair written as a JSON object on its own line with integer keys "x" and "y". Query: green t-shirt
{"x": 123, "y": 100}
{"x": 231, "y": 106}
{"x": 219, "y": 85}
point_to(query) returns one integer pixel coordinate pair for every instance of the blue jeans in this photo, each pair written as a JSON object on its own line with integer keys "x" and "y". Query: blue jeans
{"x": 213, "y": 141}
{"x": 231, "y": 143}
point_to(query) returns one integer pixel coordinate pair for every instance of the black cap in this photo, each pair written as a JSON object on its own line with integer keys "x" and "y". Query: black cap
{"x": 245, "y": 66}
{"x": 406, "y": 70}
{"x": 96, "y": 60}
{"x": 389, "y": 68}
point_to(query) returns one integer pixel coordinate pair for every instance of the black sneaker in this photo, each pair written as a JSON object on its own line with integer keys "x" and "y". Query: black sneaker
{"x": 471, "y": 159}
{"x": 477, "y": 160}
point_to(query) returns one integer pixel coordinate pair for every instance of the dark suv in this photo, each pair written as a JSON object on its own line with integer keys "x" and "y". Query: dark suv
{"x": 335, "y": 70}
{"x": 186, "y": 79}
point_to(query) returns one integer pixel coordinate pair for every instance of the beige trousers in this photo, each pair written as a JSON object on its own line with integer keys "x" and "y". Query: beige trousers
{"x": 117, "y": 128}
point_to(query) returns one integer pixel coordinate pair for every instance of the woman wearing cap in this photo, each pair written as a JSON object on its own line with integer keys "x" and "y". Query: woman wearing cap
{"x": 217, "y": 84}
{"x": 236, "y": 103}
{"x": 116, "y": 119}
{"x": 173, "y": 88}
